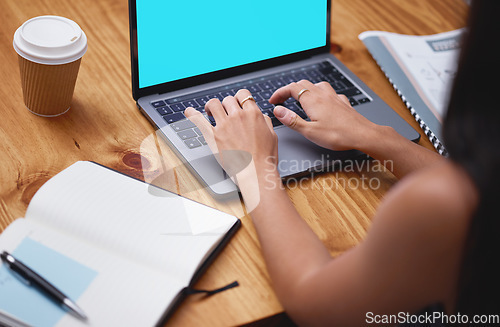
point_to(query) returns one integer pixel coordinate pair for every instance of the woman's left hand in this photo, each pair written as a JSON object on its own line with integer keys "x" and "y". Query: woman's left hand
{"x": 242, "y": 134}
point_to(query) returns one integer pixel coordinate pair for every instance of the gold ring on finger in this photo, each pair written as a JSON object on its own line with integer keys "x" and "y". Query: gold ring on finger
{"x": 300, "y": 93}
{"x": 246, "y": 99}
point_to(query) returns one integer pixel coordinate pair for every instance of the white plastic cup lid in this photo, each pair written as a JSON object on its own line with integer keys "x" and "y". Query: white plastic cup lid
{"x": 50, "y": 40}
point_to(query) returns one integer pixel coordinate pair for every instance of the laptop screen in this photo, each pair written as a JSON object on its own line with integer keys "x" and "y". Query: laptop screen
{"x": 181, "y": 39}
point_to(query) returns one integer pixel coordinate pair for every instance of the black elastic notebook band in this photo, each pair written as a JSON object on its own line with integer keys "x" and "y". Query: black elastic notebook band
{"x": 190, "y": 290}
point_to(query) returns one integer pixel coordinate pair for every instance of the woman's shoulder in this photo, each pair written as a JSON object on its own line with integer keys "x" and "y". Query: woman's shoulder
{"x": 428, "y": 213}
{"x": 420, "y": 228}
{"x": 441, "y": 191}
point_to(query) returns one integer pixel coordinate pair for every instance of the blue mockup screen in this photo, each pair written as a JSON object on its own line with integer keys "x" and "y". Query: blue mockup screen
{"x": 184, "y": 38}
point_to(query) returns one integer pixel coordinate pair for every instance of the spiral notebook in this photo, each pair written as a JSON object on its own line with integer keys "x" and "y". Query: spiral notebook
{"x": 421, "y": 69}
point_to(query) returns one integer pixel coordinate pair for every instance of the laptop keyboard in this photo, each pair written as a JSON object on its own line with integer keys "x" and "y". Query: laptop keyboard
{"x": 261, "y": 88}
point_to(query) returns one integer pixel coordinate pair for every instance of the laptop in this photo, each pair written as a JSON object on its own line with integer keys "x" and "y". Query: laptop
{"x": 184, "y": 53}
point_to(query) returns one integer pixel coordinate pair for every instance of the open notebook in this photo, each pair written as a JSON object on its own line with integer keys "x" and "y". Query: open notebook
{"x": 124, "y": 250}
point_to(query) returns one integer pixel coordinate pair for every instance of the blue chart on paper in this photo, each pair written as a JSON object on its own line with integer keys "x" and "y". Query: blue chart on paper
{"x": 29, "y": 304}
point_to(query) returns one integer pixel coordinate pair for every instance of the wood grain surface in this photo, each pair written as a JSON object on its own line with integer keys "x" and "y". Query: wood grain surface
{"x": 105, "y": 126}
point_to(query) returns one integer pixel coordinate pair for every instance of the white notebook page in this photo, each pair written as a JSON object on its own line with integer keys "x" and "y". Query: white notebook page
{"x": 120, "y": 214}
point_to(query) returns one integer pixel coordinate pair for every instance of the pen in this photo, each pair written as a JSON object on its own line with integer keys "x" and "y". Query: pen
{"x": 41, "y": 283}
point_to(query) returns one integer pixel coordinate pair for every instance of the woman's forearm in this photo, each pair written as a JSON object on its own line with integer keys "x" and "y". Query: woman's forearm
{"x": 399, "y": 154}
{"x": 290, "y": 247}
{"x": 291, "y": 250}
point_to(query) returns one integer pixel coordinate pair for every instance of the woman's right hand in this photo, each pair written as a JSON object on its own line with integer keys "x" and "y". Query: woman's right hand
{"x": 334, "y": 122}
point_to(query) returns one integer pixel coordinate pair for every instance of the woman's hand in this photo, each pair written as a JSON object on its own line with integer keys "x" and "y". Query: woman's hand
{"x": 242, "y": 134}
{"x": 334, "y": 123}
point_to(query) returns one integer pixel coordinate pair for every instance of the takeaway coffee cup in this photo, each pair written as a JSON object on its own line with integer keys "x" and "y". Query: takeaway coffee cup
{"x": 50, "y": 49}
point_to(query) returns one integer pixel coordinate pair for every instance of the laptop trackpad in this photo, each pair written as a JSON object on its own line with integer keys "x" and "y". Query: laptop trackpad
{"x": 297, "y": 154}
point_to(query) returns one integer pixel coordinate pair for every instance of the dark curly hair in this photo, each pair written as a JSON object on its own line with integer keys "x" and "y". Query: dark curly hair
{"x": 471, "y": 132}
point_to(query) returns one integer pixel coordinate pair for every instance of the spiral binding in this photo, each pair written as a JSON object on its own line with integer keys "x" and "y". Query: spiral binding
{"x": 434, "y": 140}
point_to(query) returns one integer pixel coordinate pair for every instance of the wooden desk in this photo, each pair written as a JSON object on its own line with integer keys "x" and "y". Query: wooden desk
{"x": 105, "y": 126}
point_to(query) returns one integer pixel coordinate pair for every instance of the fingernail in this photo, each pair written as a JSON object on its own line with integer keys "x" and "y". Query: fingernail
{"x": 279, "y": 112}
